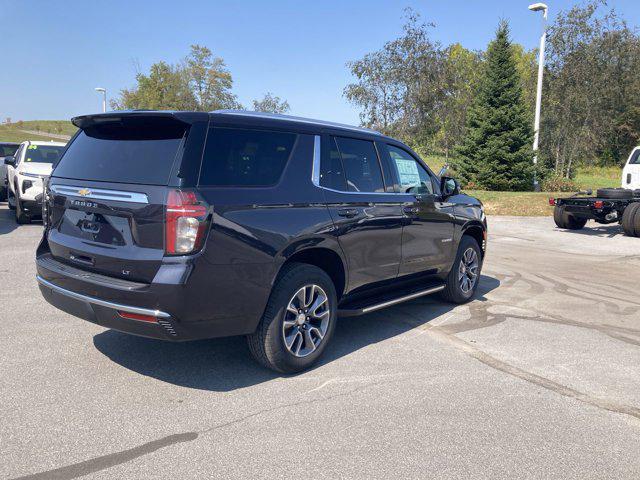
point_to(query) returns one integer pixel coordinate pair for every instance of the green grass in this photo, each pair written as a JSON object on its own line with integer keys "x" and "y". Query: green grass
{"x": 598, "y": 177}
{"x": 521, "y": 204}
{"x": 14, "y": 132}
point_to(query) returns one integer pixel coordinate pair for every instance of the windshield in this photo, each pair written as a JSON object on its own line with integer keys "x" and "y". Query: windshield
{"x": 42, "y": 153}
{"x": 8, "y": 150}
{"x": 635, "y": 158}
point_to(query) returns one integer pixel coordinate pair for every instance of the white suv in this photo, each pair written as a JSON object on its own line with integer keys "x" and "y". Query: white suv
{"x": 25, "y": 171}
{"x": 631, "y": 172}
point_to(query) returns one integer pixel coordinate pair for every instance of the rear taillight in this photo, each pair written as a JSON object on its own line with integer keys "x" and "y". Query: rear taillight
{"x": 598, "y": 204}
{"x": 552, "y": 201}
{"x": 186, "y": 223}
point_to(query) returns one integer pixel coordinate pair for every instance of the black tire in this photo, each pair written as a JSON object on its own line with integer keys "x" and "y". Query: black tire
{"x": 631, "y": 220}
{"x": 3, "y": 194}
{"x": 11, "y": 196}
{"x": 267, "y": 343}
{"x": 636, "y": 193}
{"x": 21, "y": 217}
{"x": 566, "y": 220}
{"x": 453, "y": 291}
{"x": 614, "y": 193}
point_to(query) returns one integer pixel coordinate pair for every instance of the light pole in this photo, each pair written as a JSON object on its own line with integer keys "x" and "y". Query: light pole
{"x": 104, "y": 97}
{"x": 537, "y": 7}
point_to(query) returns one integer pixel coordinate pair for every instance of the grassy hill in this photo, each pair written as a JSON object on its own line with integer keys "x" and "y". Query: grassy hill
{"x": 36, "y": 130}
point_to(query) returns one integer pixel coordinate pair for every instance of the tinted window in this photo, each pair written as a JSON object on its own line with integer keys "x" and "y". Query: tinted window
{"x": 412, "y": 176}
{"x": 245, "y": 157}
{"x": 42, "y": 153}
{"x": 331, "y": 170}
{"x": 128, "y": 154}
{"x": 8, "y": 150}
{"x": 361, "y": 165}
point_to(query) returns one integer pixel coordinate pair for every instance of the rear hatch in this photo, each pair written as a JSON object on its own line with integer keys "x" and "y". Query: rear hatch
{"x": 106, "y": 200}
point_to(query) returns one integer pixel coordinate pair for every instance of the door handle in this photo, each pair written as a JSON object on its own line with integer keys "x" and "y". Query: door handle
{"x": 410, "y": 210}
{"x": 348, "y": 212}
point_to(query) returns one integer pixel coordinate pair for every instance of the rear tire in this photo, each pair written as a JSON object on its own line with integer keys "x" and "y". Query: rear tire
{"x": 282, "y": 342}
{"x": 631, "y": 220}
{"x": 566, "y": 220}
{"x": 615, "y": 193}
{"x": 457, "y": 290}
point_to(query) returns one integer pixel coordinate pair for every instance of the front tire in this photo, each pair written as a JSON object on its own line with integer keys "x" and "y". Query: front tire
{"x": 298, "y": 321}
{"x": 11, "y": 199}
{"x": 21, "y": 217}
{"x": 464, "y": 276}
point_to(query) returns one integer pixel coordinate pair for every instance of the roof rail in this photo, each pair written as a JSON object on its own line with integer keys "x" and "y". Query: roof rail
{"x": 290, "y": 118}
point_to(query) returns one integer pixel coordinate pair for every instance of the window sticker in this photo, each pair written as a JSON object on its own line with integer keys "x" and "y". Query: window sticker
{"x": 408, "y": 172}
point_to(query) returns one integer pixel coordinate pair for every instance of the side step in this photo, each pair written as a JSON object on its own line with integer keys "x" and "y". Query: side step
{"x": 361, "y": 307}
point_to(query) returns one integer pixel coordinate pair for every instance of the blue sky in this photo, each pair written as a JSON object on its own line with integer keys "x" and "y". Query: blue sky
{"x": 55, "y": 52}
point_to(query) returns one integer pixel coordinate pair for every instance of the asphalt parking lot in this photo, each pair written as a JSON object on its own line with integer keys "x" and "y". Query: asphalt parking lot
{"x": 537, "y": 378}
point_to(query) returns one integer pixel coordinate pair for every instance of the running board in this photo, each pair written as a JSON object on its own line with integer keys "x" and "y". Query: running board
{"x": 355, "y": 310}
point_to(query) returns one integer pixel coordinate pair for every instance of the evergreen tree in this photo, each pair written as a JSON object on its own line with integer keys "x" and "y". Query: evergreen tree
{"x": 496, "y": 152}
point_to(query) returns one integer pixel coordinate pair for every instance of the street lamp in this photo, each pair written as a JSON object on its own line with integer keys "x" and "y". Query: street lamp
{"x": 537, "y": 7}
{"x": 104, "y": 97}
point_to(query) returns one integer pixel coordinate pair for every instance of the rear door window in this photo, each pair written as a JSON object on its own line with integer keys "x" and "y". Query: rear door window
{"x": 135, "y": 153}
{"x": 361, "y": 165}
{"x": 245, "y": 157}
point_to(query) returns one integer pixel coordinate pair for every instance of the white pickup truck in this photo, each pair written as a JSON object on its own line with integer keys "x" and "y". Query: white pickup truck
{"x": 25, "y": 171}
{"x": 631, "y": 171}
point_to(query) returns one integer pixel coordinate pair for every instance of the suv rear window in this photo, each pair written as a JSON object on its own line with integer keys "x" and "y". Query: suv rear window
{"x": 123, "y": 153}
{"x": 241, "y": 157}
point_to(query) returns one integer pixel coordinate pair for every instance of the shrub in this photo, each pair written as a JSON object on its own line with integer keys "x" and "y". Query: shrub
{"x": 558, "y": 183}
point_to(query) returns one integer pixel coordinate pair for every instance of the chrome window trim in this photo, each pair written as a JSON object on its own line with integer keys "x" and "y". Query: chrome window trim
{"x": 315, "y": 169}
{"x": 102, "y": 303}
{"x": 100, "y": 194}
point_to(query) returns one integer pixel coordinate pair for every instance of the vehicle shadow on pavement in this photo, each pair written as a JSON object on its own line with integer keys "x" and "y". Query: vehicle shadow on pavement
{"x": 609, "y": 231}
{"x": 7, "y": 219}
{"x": 225, "y": 364}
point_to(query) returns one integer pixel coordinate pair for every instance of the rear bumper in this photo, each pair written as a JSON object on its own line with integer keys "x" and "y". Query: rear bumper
{"x": 99, "y": 299}
{"x": 105, "y": 313}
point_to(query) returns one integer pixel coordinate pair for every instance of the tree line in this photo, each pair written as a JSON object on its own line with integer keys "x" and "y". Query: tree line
{"x": 475, "y": 108}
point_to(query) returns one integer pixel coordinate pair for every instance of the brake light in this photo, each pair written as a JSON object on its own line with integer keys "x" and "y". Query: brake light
{"x": 186, "y": 223}
{"x": 552, "y": 201}
{"x": 598, "y": 204}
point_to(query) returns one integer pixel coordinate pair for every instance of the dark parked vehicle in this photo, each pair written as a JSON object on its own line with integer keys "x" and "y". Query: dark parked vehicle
{"x": 182, "y": 225}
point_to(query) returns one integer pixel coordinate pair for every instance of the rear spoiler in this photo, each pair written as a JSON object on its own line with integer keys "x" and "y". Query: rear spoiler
{"x": 186, "y": 118}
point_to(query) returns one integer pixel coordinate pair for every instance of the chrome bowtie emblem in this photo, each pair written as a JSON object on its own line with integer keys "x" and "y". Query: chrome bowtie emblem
{"x": 84, "y": 192}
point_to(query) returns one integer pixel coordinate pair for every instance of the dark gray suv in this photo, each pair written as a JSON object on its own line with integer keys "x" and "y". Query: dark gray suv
{"x": 187, "y": 225}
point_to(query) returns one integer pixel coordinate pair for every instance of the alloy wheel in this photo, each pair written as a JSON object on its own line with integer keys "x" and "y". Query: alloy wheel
{"x": 306, "y": 320}
{"x": 468, "y": 270}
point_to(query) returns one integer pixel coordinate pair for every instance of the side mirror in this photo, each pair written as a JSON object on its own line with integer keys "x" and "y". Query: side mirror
{"x": 449, "y": 186}
{"x": 10, "y": 160}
